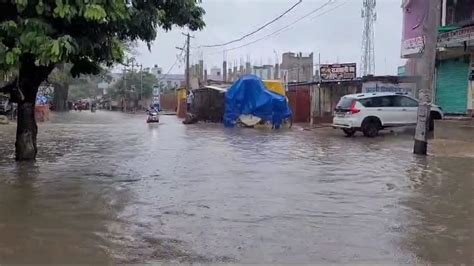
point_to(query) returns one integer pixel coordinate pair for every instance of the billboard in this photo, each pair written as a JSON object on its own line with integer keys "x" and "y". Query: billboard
{"x": 338, "y": 72}
{"x": 414, "y": 14}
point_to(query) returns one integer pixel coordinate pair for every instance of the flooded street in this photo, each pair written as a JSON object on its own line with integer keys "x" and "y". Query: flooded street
{"x": 108, "y": 188}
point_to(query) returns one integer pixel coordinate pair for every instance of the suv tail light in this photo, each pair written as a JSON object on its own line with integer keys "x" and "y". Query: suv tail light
{"x": 353, "y": 109}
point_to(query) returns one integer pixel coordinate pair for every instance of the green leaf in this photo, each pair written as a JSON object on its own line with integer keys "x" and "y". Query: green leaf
{"x": 21, "y": 4}
{"x": 40, "y": 8}
{"x": 11, "y": 58}
{"x": 55, "y": 48}
{"x": 95, "y": 13}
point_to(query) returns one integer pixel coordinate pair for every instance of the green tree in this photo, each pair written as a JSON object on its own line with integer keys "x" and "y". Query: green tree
{"x": 37, "y": 35}
{"x": 61, "y": 78}
{"x": 141, "y": 87}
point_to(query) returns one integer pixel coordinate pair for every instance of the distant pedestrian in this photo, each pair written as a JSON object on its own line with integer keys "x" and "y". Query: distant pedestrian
{"x": 189, "y": 100}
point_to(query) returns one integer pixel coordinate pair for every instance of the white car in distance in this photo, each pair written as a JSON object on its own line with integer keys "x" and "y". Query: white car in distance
{"x": 372, "y": 112}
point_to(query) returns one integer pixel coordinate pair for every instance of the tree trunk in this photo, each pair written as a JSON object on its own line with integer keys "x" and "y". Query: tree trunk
{"x": 30, "y": 77}
{"x": 26, "y": 132}
{"x": 60, "y": 97}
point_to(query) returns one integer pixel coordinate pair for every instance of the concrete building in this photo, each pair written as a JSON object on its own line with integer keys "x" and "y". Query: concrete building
{"x": 167, "y": 81}
{"x": 455, "y": 66}
{"x": 264, "y": 72}
{"x": 170, "y": 81}
{"x": 454, "y": 86}
{"x": 224, "y": 71}
{"x": 216, "y": 74}
{"x": 297, "y": 66}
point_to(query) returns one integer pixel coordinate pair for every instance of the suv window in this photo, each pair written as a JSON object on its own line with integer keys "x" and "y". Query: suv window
{"x": 384, "y": 101}
{"x": 344, "y": 103}
{"x": 402, "y": 101}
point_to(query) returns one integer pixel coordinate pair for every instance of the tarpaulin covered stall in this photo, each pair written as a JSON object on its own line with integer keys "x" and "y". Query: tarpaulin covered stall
{"x": 249, "y": 96}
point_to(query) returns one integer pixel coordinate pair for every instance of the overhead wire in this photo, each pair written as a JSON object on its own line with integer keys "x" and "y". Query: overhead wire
{"x": 174, "y": 64}
{"x": 255, "y": 31}
{"x": 287, "y": 27}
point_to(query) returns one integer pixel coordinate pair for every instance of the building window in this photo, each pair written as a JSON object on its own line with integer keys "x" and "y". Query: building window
{"x": 460, "y": 12}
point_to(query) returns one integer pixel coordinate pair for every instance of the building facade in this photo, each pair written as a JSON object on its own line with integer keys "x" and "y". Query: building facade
{"x": 454, "y": 72}
{"x": 455, "y": 58}
{"x": 216, "y": 74}
{"x": 170, "y": 81}
{"x": 297, "y": 67}
{"x": 167, "y": 82}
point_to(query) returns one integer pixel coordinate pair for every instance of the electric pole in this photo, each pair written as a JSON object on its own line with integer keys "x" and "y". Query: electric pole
{"x": 187, "y": 72}
{"x": 141, "y": 82}
{"x": 425, "y": 83}
{"x": 188, "y": 77}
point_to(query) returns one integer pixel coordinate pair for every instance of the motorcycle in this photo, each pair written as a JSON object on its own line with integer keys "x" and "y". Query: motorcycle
{"x": 153, "y": 117}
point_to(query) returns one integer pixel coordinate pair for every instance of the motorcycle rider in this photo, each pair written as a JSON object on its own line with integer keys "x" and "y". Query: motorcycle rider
{"x": 152, "y": 108}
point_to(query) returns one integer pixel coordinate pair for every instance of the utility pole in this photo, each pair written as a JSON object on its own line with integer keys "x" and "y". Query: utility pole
{"x": 124, "y": 108}
{"x": 141, "y": 82}
{"x": 425, "y": 83}
{"x": 187, "y": 72}
{"x": 188, "y": 77}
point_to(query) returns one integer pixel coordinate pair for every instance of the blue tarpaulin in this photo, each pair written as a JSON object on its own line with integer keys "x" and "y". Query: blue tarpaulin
{"x": 249, "y": 96}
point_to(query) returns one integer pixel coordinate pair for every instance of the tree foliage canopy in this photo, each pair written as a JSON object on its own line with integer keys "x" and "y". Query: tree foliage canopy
{"x": 85, "y": 33}
{"x": 133, "y": 80}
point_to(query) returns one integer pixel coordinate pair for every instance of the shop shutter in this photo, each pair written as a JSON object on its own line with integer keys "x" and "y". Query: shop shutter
{"x": 452, "y": 86}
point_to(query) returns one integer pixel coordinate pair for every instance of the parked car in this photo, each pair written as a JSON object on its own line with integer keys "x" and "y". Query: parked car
{"x": 372, "y": 112}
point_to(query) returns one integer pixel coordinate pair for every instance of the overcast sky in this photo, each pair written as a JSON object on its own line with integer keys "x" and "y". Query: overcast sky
{"x": 336, "y": 34}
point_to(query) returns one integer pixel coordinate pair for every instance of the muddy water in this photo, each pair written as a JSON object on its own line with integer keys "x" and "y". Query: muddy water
{"x": 108, "y": 188}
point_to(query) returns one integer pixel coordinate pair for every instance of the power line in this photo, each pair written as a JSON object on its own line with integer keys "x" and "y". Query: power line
{"x": 173, "y": 65}
{"x": 257, "y": 30}
{"x": 287, "y": 27}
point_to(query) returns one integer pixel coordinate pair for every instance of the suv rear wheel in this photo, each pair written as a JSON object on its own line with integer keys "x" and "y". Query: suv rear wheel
{"x": 349, "y": 132}
{"x": 371, "y": 127}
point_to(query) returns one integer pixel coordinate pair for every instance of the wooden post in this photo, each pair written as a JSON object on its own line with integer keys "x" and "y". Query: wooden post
{"x": 427, "y": 62}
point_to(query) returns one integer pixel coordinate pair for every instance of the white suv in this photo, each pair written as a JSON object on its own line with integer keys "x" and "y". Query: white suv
{"x": 371, "y": 112}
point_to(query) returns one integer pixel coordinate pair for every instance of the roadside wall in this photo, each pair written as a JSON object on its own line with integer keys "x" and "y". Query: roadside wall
{"x": 169, "y": 101}
{"x": 300, "y": 103}
{"x": 326, "y": 96}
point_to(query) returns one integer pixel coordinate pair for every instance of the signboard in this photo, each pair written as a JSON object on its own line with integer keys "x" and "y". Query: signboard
{"x": 414, "y": 15}
{"x": 156, "y": 90}
{"x": 413, "y": 47}
{"x": 456, "y": 37}
{"x": 156, "y": 95}
{"x": 377, "y": 86}
{"x": 338, "y": 72}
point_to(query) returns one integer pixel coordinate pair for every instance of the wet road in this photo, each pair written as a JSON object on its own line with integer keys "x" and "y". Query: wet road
{"x": 108, "y": 188}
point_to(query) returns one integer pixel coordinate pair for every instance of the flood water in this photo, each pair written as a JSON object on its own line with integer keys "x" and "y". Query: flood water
{"x": 108, "y": 188}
